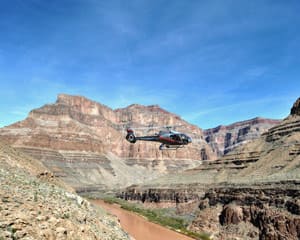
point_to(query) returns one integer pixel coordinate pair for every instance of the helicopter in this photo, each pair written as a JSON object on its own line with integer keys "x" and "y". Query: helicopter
{"x": 169, "y": 139}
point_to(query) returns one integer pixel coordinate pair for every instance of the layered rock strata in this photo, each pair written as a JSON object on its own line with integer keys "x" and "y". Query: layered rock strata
{"x": 253, "y": 192}
{"x": 83, "y": 142}
{"x": 289, "y": 126}
{"x": 224, "y": 139}
{"x": 261, "y": 212}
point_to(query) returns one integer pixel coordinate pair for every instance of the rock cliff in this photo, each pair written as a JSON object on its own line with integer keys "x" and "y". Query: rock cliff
{"x": 296, "y": 108}
{"x": 235, "y": 212}
{"x": 224, "y": 139}
{"x": 83, "y": 143}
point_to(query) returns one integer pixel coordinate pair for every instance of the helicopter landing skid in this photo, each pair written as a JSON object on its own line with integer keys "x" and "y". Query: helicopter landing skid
{"x": 169, "y": 147}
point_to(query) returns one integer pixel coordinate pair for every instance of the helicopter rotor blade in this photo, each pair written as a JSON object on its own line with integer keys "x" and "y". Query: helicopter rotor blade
{"x": 145, "y": 129}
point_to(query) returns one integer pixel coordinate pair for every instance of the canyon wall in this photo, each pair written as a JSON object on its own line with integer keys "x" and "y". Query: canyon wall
{"x": 253, "y": 192}
{"x": 83, "y": 142}
{"x": 224, "y": 139}
{"x": 235, "y": 212}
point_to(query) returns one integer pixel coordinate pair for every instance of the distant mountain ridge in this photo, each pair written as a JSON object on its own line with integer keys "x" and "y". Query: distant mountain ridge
{"x": 224, "y": 139}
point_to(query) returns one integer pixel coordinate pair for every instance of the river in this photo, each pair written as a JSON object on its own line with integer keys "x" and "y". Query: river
{"x": 138, "y": 227}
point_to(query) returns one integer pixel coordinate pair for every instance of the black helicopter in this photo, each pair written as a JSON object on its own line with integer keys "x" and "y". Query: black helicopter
{"x": 169, "y": 139}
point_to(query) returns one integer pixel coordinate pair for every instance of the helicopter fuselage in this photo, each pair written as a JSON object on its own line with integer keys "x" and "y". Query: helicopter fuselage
{"x": 168, "y": 139}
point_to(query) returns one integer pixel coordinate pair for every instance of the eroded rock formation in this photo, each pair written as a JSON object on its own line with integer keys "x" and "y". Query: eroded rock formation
{"x": 253, "y": 192}
{"x": 224, "y": 139}
{"x": 296, "y": 108}
{"x": 258, "y": 213}
{"x": 83, "y": 142}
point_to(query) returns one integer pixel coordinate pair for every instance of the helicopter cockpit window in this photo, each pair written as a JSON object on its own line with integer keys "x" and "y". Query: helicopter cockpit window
{"x": 175, "y": 137}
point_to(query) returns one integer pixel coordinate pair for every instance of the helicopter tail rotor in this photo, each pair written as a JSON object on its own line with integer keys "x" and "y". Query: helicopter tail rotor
{"x": 130, "y": 137}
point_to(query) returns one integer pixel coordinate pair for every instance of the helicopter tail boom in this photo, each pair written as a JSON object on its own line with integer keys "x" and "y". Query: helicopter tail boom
{"x": 130, "y": 137}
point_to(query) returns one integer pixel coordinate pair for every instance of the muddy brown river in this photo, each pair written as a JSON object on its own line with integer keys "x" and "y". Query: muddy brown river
{"x": 138, "y": 227}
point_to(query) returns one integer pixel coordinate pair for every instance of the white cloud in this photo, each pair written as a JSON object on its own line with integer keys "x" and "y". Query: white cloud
{"x": 256, "y": 71}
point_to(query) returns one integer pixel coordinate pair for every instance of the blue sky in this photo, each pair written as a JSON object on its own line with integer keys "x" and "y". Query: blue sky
{"x": 211, "y": 62}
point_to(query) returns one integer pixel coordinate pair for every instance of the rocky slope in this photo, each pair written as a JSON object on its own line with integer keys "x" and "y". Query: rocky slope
{"x": 35, "y": 205}
{"x": 252, "y": 192}
{"x": 224, "y": 139}
{"x": 83, "y": 143}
